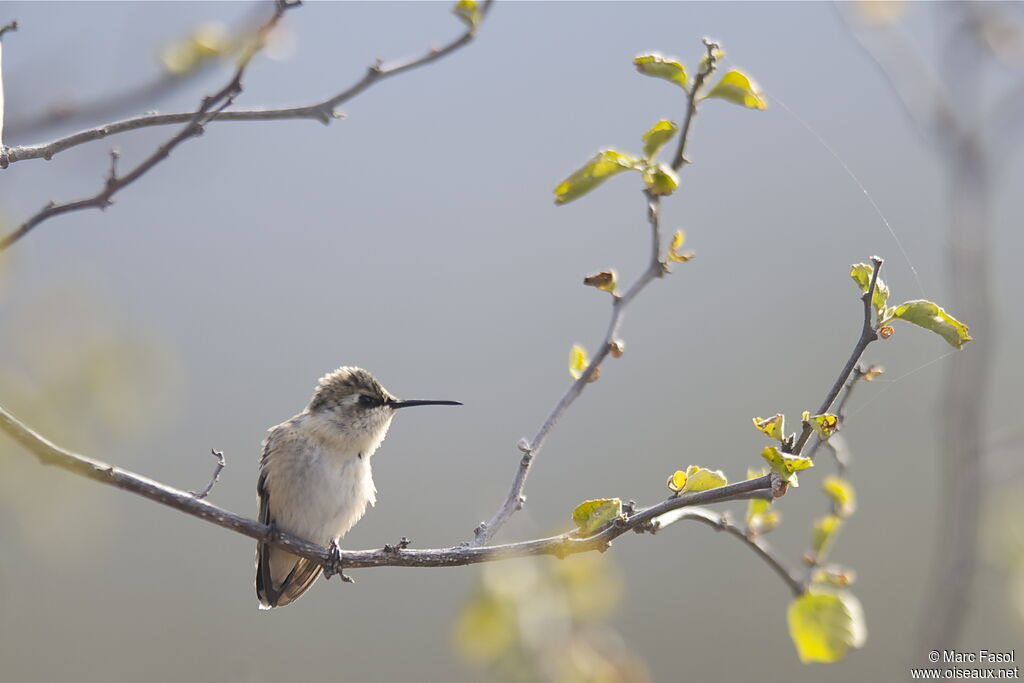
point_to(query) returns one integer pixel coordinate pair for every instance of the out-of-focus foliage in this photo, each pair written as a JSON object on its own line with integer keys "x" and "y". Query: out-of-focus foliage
{"x": 825, "y": 623}
{"x": 87, "y": 378}
{"x": 540, "y": 619}
{"x": 1004, "y": 541}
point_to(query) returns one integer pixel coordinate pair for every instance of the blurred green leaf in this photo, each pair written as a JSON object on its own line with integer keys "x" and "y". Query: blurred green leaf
{"x": 861, "y": 274}
{"x": 468, "y": 11}
{"x": 842, "y": 494}
{"x": 738, "y": 88}
{"x": 657, "y": 136}
{"x": 591, "y": 515}
{"x": 661, "y": 67}
{"x": 578, "y": 361}
{"x": 486, "y": 628}
{"x": 930, "y": 316}
{"x": 825, "y": 624}
{"x": 602, "y": 166}
{"x": 823, "y": 533}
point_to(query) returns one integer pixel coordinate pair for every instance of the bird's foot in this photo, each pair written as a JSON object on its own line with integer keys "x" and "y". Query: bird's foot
{"x": 336, "y": 567}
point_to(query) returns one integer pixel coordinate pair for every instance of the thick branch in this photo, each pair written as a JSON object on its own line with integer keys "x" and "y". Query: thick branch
{"x": 324, "y": 111}
{"x": 392, "y": 556}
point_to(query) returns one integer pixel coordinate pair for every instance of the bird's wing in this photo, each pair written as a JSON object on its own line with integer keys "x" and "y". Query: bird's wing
{"x": 302, "y": 574}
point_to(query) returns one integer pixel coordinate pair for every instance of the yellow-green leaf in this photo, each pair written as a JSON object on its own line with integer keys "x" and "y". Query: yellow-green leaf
{"x": 602, "y": 166}
{"x": 660, "y": 179}
{"x": 658, "y": 135}
{"x": 661, "y": 67}
{"x": 842, "y": 494}
{"x": 834, "y": 575}
{"x": 930, "y": 316}
{"x": 823, "y": 533}
{"x": 702, "y": 479}
{"x": 486, "y": 628}
{"x": 824, "y": 425}
{"x": 785, "y": 465}
{"x": 825, "y": 624}
{"x": 861, "y": 274}
{"x": 774, "y": 427}
{"x": 578, "y": 361}
{"x": 606, "y": 280}
{"x": 468, "y": 11}
{"x": 872, "y": 373}
{"x": 673, "y": 250}
{"x": 676, "y": 481}
{"x": 204, "y": 43}
{"x": 738, "y": 88}
{"x": 591, "y": 515}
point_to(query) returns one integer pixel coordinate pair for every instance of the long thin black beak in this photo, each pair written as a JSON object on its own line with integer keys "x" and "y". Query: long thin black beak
{"x": 408, "y": 404}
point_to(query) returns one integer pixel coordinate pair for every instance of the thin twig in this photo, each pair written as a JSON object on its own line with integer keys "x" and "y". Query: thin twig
{"x": 324, "y": 111}
{"x": 868, "y": 334}
{"x": 710, "y": 64}
{"x": 655, "y": 269}
{"x": 209, "y": 108}
{"x": 216, "y": 475}
{"x": 393, "y": 556}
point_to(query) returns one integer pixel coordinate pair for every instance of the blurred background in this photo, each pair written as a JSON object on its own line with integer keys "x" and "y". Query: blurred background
{"x": 418, "y": 238}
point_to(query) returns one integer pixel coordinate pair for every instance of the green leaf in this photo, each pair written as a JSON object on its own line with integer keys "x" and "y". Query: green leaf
{"x": 823, "y": 533}
{"x": 661, "y": 179}
{"x": 824, "y": 425}
{"x": 861, "y": 274}
{"x": 842, "y": 494}
{"x": 702, "y": 479}
{"x": 468, "y": 11}
{"x": 825, "y": 624}
{"x": 674, "y": 255}
{"x": 591, "y": 515}
{"x": 661, "y": 67}
{"x": 785, "y": 465}
{"x": 930, "y": 316}
{"x": 676, "y": 481}
{"x": 578, "y": 361}
{"x": 774, "y": 427}
{"x": 738, "y": 88}
{"x": 602, "y": 166}
{"x": 658, "y": 135}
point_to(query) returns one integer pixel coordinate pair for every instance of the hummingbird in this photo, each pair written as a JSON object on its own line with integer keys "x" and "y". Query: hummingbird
{"x": 315, "y": 479}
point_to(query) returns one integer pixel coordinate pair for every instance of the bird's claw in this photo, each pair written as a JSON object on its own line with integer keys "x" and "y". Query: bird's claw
{"x": 335, "y": 568}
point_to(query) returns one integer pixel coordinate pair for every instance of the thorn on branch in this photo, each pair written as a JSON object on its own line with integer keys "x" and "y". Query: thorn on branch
{"x": 402, "y": 544}
{"x": 221, "y": 463}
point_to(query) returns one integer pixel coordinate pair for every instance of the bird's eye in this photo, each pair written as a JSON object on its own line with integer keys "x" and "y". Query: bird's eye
{"x": 368, "y": 401}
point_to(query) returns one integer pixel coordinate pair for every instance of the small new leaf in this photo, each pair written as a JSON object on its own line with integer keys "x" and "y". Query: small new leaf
{"x": 602, "y": 166}
{"x": 824, "y": 624}
{"x": 702, "y": 479}
{"x": 657, "y": 136}
{"x": 591, "y": 515}
{"x": 785, "y": 465}
{"x": 823, "y": 533}
{"x": 468, "y": 11}
{"x": 930, "y": 316}
{"x": 738, "y": 88}
{"x": 842, "y": 494}
{"x": 617, "y": 347}
{"x": 606, "y": 280}
{"x": 861, "y": 274}
{"x": 660, "y": 179}
{"x": 761, "y": 518}
{"x": 578, "y": 361}
{"x": 673, "y": 250}
{"x": 872, "y": 373}
{"x": 774, "y": 427}
{"x": 676, "y": 481}
{"x": 824, "y": 425}
{"x": 661, "y": 67}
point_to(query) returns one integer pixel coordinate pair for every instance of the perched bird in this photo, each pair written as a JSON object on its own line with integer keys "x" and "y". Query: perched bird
{"x": 315, "y": 478}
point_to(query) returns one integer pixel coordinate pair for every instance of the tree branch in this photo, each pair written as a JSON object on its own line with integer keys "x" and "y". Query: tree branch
{"x": 868, "y": 334}
{"x": 324, "y": 111}
{"x": 210, "y": 106}
{"x": 389, "y": 556}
